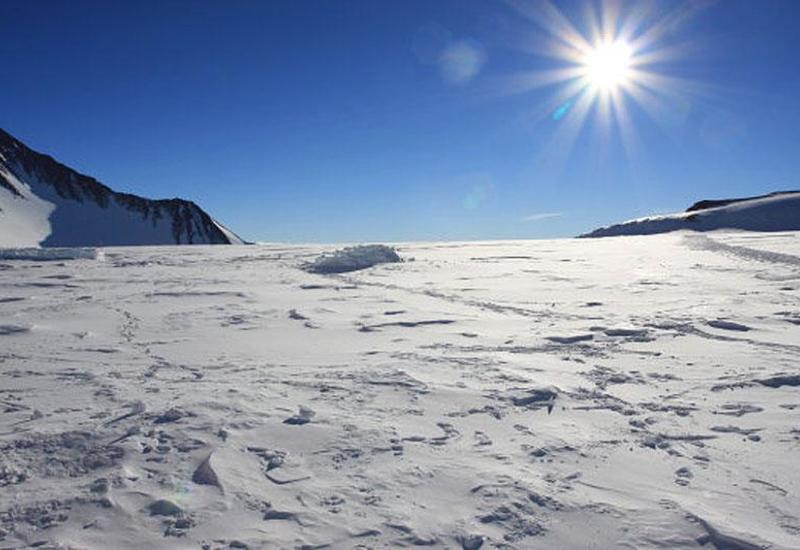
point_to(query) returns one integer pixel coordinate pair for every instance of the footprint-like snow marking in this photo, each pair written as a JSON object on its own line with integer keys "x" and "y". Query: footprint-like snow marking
{"x": 735, "y": 430}
{"x": 272, "y": 460}
{"x": 570, "y": 339}
{"x": 196, "y": 294}
{"x": 781, "y": 380}
{"x": 728, "y": 325}
{"x": 296, "y": 315}
{"x": 6, "y": 330}
{"x": 792, "y": 317}
{"x": 303, "y": 416}
{"x": 536, "y": 398}
{"x": 626, "y": 332}
{"x": 604, "y": 376}
{"x": 738, "y": 409}
{"x": 450, "y": 432}
{"x": 65, "y": 454}
{"x": 406, "y": 324}
{"x": 771, "y": 486}
{"x": 516, "y": 509}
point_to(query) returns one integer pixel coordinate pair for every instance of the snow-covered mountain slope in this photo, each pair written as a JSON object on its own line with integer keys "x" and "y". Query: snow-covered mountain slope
{"x": 774, "y": 212}
{"x": 44, "y": 203}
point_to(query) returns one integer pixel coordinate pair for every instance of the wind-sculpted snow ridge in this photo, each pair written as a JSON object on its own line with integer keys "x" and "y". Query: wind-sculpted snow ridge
{"x": 44, "y": 203}
{"x": 629, "y": 393}
{"x": 48, "y": 254}
{"x": 353, "y": 258}
{"x": 774, "y": 212}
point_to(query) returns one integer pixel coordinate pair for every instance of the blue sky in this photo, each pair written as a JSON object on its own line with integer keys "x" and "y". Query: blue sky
{"x": 359, "y": 120}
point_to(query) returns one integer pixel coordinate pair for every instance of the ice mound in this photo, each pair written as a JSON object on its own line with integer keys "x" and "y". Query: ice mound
{"x": 353, "y": 258}
{"x": 48, "y": 254}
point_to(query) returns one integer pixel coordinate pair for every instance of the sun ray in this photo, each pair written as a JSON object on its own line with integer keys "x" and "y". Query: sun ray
{"x": 610, "y": 20}
{"x": 625, "y": 127}
{"x": 532, "y": 80}
{"x": 667, "y": 24}
{"x": 634, "y": 21}
{"x": 560, "y": 147}
{"x": 566, "y": 37}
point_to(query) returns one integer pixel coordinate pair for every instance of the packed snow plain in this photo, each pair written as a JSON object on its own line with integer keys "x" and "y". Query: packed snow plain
{"x": 628, "y": 392}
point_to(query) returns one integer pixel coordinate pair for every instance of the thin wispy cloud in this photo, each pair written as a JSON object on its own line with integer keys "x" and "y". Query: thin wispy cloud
{"x": 542, "y": 216}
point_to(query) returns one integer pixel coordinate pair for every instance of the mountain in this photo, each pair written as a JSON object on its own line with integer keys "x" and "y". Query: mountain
{"x": 44, "y": 203}
{"x": 779, "y": 211}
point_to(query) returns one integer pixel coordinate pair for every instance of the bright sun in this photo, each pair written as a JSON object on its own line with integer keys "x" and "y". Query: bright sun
{"x": 607, "y": 66}
{"x": 608, "y": 62}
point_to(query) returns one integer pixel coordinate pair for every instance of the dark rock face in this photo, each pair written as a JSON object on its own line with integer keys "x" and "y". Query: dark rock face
{"x": 6, "y": 185}
{"x": 190, "y": 224}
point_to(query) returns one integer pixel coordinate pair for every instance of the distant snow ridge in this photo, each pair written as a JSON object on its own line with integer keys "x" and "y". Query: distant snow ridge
{"x": 48, "y": 254}
{"x": 774, "y": 212}
{"x": 353, "y": 258}
{"x": 44, "y": 203}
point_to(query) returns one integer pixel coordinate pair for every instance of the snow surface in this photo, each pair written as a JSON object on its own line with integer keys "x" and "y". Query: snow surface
{"x": 779, "y": 212}
{"x": 639, "y": 392}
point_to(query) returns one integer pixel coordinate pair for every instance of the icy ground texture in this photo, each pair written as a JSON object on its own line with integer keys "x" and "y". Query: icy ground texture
{"x": 775, "y": 212}
{"x": 353, "y": 258}
{"x": 170, "y": 397}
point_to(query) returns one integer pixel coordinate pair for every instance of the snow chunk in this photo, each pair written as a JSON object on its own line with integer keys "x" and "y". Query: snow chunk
{"x": 353, "y": 258}
{"x": 48, "y": 254}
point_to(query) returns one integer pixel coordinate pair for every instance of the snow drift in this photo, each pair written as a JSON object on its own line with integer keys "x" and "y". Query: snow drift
{"x": 353, "y": 258}
{"x": 774, "y": 212}
{"x": 48, "y": 254}
{"x": 44, "y": 203}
